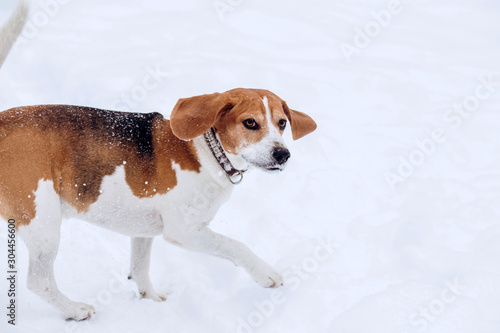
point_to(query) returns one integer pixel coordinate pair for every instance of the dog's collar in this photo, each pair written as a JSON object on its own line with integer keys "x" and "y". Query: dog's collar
{"x": 235, "y": 176}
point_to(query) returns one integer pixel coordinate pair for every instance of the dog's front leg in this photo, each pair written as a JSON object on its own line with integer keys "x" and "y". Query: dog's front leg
{"x": 139, "y": 268}
{"x": 205, "y": 240}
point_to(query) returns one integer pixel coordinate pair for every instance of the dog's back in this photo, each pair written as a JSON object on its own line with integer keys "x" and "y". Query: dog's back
{"x": 75, "y": 147}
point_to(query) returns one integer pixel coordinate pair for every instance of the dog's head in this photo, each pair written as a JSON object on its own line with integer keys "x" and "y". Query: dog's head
{"x": 249, "y": 123}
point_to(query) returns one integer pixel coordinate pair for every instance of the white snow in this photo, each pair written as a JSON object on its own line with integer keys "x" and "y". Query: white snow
{"x": 357, "y": 254}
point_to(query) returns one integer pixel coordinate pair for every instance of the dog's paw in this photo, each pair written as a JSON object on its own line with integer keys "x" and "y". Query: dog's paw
{"x": 268, "y": 278}
{"x": 157, "y": 297}
{"x": 79, "y": 312}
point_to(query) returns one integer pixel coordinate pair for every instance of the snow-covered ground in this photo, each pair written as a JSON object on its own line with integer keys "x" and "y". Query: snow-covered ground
{"x": 387, "y": 219}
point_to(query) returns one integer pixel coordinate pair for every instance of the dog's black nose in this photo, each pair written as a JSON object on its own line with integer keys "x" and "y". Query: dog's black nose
{"x": 281, "y": 155}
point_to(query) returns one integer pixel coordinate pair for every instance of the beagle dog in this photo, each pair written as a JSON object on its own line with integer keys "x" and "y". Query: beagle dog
{"x": 140, "y": 175}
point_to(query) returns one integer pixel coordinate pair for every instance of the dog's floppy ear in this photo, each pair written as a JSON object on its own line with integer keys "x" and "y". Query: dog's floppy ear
{"x": 193, "y": 116}
{"x": 300, "y": 122}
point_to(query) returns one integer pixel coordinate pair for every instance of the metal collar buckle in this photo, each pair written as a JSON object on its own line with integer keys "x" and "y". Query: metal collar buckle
{"x": 235, "y": 176}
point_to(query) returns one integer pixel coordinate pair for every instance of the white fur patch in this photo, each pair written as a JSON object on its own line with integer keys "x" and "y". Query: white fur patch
{"x": 119, "y": 210}
{"x": 44, "y": 228}
{"x": 260, "y": 154}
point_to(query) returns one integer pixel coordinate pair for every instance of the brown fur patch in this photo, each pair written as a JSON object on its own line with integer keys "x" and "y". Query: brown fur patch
{"x": 75, "y": 147}
{"x": 220, "y": 110}
{"x": 226, "y": 112}
{"x": 248, "y": 105}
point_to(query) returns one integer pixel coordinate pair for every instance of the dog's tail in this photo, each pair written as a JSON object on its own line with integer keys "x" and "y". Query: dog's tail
{"x": 12, "y": 29}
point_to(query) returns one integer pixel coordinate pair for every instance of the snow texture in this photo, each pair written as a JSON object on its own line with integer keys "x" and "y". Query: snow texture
{"x": 388, "y": 216}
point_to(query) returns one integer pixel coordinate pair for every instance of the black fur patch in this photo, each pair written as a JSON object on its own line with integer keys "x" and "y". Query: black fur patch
{"x": 134, "y": 130}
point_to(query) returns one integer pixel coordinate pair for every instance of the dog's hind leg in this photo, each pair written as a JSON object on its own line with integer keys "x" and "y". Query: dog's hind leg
{"x": 139, "y": 268}
{"x": 42, "y": 240}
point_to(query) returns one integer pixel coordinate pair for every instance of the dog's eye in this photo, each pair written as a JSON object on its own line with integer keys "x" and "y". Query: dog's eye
{"x": 251, "y": 124}
{"x": 282, "y": 124}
